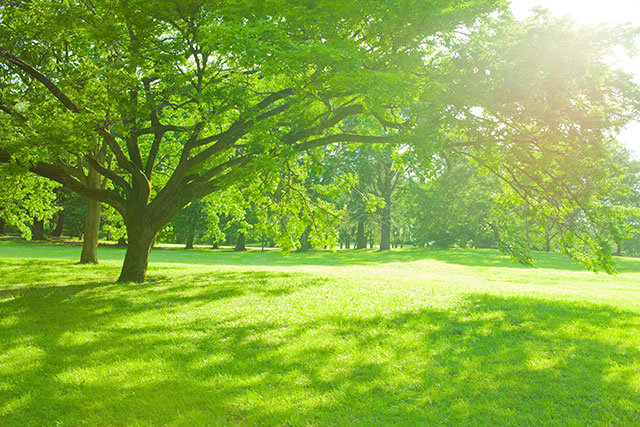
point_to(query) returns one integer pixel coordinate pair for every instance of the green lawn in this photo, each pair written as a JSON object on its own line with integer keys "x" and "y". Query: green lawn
{"x": 412, "y": 337}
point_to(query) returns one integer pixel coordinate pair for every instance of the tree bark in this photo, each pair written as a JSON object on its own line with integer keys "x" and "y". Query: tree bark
{"x": 361, "y": 238}
{"x": 385, "y": 228}
{"x": 136, "y": 260}
{"x": 347, "y": 241}
{"x": 57, "y": 231}
{"x": 37, "y": 230}
{"x": 89, "y": 253}
{"x": 215, "y": 245}
{"x": 240, "y": 243}
{"x": 1, "y": 226}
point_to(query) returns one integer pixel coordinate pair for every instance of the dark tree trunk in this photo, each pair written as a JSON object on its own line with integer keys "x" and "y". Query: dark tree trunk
{"x": 122, "y": 242}
{"x": 57, "y": 231}
{"x": 136, "y": 260}
{"x": 240, "y": 243}
{"x": 215, "y": 245}
{"x": 385, "y": 228}
{"x": 1, "y": 226}
{"x": 37, "y": 230}
{"x": 89, "y": 253}
{"x": 371, "y": 244}
{"x": 347, "y": 241}
{"x": 361, "y": 238}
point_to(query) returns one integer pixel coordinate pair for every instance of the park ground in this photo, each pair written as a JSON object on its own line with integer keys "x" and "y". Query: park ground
{"x": 410, "y": 337}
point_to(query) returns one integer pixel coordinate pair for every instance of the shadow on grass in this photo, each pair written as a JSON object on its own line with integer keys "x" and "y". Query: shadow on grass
{"x": 185, "y": 354}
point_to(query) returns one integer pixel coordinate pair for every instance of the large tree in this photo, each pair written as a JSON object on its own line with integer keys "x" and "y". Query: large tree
{"x": 193, "y": 96}
{"x": 538, "y": 104}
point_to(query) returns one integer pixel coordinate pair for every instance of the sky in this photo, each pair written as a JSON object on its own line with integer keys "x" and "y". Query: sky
{"x": 595, "y": 12}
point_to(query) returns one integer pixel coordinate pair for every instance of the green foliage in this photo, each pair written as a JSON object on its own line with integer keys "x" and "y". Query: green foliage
{"x": 170, "y": 101}
{"x": 25, "y": 197}
{"x": 537, "y": 104}
{"x": 452, "y": 208}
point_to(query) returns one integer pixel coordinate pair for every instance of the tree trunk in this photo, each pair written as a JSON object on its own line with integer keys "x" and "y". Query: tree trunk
{"x": 361, "y": 238}
{"x": 240, "y": 243}
{"x": 547, "y": 240}
{"x": 385, "y": 228}
{"x": 215, "y": 245}
{"x": 37, "y": 230}
{"x": 1, "y": 226}
{"x": 89, "y": 253}
{"x": 136, "y": 260}
{"x": 371, "y": 244}
{"x": 347, "y": 241}
{"x": 190, "y": 238}
{"x": 619, "y": 249}
{"x": 304, "y": 241}
{"x": 57, "y": 231}
{"x": 122, "y": 242}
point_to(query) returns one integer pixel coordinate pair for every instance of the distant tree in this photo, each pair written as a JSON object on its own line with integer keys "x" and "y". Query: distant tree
{"x": 27, "y": 201}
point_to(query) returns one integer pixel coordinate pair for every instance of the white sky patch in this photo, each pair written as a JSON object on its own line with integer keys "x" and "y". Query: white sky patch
{"x": 596, "y": 12}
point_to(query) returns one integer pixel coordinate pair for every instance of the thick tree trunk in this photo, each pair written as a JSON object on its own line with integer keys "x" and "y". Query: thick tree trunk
{"x": 37, "y": 230}
{"x": 215, "y": 245}
{"x": 1, "y": 226}
{"x": 240, "y": 243}
{"x": 57, "y": 231}
{"x": 136, "y": 260}
{"x": 385, "y": 228}
{"x": 361, "y": 238}
{"x": 89, "y": 253}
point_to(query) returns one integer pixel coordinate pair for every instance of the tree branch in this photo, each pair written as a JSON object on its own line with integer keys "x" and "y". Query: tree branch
{"x": 53, "y": 88}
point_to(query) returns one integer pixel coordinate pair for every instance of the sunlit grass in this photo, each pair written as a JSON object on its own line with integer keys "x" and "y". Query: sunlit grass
{"x": 352, "y": 338}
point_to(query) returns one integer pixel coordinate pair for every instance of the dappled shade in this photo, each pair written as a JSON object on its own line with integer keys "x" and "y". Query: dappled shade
{"x": 242, "y": 346}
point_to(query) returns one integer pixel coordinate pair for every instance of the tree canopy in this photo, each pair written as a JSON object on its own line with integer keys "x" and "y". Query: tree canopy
{"x": 169, "y": 101}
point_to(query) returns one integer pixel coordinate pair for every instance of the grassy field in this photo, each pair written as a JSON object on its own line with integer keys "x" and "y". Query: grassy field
{"x": 411, "y": 337}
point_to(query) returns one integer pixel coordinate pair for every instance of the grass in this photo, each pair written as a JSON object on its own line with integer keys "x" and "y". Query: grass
{"x": 404, "y": 338}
